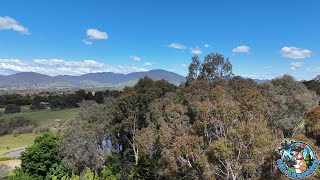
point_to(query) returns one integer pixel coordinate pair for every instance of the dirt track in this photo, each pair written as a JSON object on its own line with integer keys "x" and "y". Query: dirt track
{"x": 12, "y": 163}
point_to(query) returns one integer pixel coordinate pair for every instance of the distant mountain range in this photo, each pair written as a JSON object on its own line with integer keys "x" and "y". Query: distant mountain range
{"x": 31, "y": 80}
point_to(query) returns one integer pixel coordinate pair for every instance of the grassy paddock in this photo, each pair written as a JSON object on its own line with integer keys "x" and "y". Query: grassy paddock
{"x": 9, "y": 143}
{"x": 44, "y": 118}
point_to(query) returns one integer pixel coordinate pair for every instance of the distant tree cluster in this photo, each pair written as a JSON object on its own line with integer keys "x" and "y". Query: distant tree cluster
{"x": 16, "y": 99}
{"x": 313, "y": 85}
{"x": 16, "y": 125}
{"x": 13, "y": 102}
{"x": 216, "y": 126}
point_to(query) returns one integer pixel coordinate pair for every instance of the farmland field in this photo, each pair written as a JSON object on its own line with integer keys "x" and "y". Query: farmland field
{"x": 9, "y": 142}
{"x": 43, "y": 118}
{"x": 46, "y": 117}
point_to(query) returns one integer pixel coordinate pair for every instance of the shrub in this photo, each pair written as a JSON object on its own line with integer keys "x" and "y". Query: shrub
{"x": 41, "y": 160}
{"x": 12, "y": 108}
{"x": 42, "y": 130}
{"x": 19, "y": 121}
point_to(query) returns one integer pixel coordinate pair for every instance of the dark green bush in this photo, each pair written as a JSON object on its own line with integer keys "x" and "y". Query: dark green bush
{"x": 12, "y": 108}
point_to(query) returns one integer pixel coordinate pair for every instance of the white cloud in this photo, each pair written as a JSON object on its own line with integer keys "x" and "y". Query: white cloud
{"x": 11, "y": 61}
{"x": 87, "y": 42}
{"x": 94, "y": 34}
{"x": 295, "y": 53}
{"x": 135, "y": 58}
{"x": 295, "y": 65}
{"x": 184, "y": 65}
{"x": 63, "y": 67}
{"x": 196, "y": 51}
{"x": 8, "y": 23}
{"x": 206, "y": 45}
{"x": 177, "y": 46}
{"x": 241, "y": 49}
{"x": 147, "y": 64}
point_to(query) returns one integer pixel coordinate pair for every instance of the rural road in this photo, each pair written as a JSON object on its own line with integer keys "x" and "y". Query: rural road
{"x": 15, "y": 153}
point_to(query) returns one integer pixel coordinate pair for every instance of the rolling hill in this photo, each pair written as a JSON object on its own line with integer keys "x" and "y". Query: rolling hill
{"x": 32, "y": 80}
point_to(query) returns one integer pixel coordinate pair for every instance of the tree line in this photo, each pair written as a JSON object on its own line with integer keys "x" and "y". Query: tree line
{"x": 215, "y": 126}
{"x": 13, "y": 102}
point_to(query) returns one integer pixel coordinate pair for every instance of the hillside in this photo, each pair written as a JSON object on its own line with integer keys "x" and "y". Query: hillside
{"x": 31, "y": 80}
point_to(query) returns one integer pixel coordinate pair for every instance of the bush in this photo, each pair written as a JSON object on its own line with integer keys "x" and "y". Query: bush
{"x": 17, "y": 125}
{"x": 42, "y": 130}
{"x": 19, "y": 122}
{"x": 12, "y": 108}
{"x": 41, "y": 160}
{"x": 4, "y": 129}
{"x": 58, "y": 104}
{"x": 23, "y": 130}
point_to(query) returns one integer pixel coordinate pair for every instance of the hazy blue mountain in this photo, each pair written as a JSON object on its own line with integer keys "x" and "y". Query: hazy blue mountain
{"x": 30, "y": 80}
{"x": 260, "y": 81}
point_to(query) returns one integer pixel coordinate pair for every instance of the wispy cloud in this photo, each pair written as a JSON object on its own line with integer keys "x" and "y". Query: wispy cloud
{"x": 295, "y": 53}
{"x": 184, "y": 65}
{"x": 63, "y": 67}
{"x": 241, "y": 49}
{"x": 315, "y": 70}
{"x": 295, "y": 65}
{"x": 177, "y": 46}
{"x": 196, "y": 51}
{"x": 267, "y": 67}
{"x": 94, "y": 34}
{"x": 135, "y": 58}
{"x": 206, "y": 45}
{"x": 8, "y": 23}
{"x": 147, "y": 64}
{"x": 87, "y": 42}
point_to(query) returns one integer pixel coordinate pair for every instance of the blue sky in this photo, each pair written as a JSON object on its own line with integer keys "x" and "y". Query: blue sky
{"x": 263, "y": 39}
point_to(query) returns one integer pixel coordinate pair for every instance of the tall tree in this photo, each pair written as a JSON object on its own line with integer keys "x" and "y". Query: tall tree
{"x": 194, "y": 69}
{"x": 215, "y": 67}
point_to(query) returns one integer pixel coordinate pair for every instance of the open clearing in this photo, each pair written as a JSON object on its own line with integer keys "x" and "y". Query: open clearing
{"x": 9, "y": 143}
{"x": 12, "y": 163}
{"x": 43, "y": 118}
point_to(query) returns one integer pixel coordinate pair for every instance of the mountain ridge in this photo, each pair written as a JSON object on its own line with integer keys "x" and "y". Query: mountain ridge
{"x": 33, "y": 80}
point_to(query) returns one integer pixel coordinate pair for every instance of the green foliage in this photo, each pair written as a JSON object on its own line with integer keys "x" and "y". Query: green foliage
{"x": 58, "y": 104}
{"x": 17, "y": 125}
{"x": 290, "y": 100}
{"x": 214, "y": 68}
{"x": 89, "y": 175}
{"x": 12, "y": 108}
{"x": 216, "y": 127}
{"x": 37, "y": 102}
{"x": 110, "y": 171}
{"x": 79, "y": 145}
{"x": 19, "y": 174}
{"x": 89, "y": 96}
{"x": 218, "y": 150}
{"x": 41, "y": 160}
